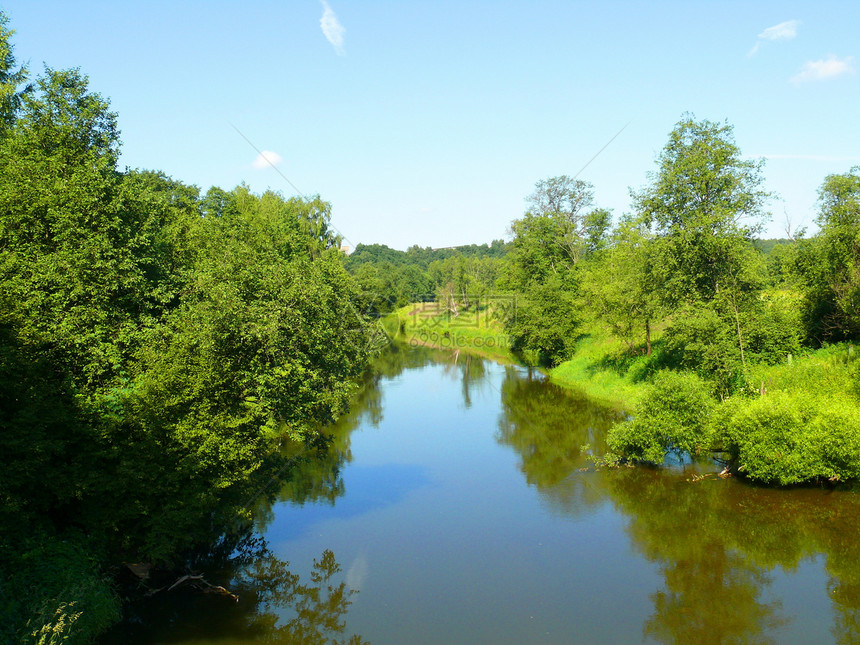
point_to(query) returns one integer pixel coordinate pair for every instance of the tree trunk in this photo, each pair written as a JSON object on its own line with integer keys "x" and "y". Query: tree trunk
{"x": 647, "y": 337}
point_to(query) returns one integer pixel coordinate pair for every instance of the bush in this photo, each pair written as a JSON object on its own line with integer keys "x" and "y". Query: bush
{"x": 671, "y": 417}
{"x": 774, "y": 330}
{"x": 787, "y": 438}
{"x": 700, "y": 340}
{"x": 53, "y": 593}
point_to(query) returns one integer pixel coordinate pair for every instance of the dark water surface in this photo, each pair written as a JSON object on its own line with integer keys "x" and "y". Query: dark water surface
{"x": 455, "y": 505}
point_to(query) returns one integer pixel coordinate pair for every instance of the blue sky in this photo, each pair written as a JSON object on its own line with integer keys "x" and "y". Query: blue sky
{"x": 429, "y": 122}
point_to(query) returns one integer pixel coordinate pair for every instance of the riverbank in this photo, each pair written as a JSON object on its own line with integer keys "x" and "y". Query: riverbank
{"x": 601, "y": 368}
{"x": 426, "y": 325}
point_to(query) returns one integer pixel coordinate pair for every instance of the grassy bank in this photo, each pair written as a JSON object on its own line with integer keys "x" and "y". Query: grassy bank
{"x": 793, "y": 422}
{"x": 479, "y": 333}
{"x": 602, "y": 368}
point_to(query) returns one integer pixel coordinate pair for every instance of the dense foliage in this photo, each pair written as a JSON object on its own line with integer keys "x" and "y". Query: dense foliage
{"x": 726, "y": 309}
{"x": 156, "y": 346}
{"x": 457, "y": 275}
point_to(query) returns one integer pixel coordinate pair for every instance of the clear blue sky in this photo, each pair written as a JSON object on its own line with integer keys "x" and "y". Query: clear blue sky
{"x": 428, "y": 122}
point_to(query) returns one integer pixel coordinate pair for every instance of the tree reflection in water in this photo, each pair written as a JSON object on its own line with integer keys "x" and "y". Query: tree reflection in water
{"x": 274, "y": 605}
{"x": 716, "y": 543}
{"x": 548, "y": 426}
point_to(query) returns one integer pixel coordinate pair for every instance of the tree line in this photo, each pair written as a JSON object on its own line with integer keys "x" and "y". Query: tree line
{"x": 157, "y": 345}
{"x": 702, "y": 306}
{"x": 389, "y": 278}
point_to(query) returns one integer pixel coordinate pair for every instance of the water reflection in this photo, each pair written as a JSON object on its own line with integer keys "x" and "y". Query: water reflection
{"x": 717, "y": 543}
{"x": 724, "y": 562}
{"x": 548, "y": 426}
{"x": 274, "y": 605}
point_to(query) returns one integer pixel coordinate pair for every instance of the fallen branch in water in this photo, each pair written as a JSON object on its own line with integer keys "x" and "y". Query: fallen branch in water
{"x": 198, "y": 582}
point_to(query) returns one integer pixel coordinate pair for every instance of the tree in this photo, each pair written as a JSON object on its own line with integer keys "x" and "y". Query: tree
{"x": 564, "y": 202}
{"x": 830, "y": 263}
{"x": 705, "y": 202}
{"x": 10, "y": 79}
{"x": 618, "y": 288}
{"x": 550, "y": 242}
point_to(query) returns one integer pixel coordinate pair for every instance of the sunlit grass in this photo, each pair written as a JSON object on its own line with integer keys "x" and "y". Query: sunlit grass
{"x": 480, "y": 333}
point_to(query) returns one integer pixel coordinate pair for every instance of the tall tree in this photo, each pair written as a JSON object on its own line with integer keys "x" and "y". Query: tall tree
{"x": 830, "y": 263}
{"x": 559, "y": 230}
{"x": 705, "y": 202}
{"x": 11, "y": 80}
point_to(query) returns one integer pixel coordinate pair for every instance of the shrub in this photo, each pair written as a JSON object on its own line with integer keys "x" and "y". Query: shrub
{"x": 671, "y": 416}
{"x": 784, "y": 438}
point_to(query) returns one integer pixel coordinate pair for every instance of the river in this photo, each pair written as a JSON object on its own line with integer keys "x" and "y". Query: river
{"x": 456, "y": 504}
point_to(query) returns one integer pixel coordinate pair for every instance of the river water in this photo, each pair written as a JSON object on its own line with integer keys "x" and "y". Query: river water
{"x": 456, "y": 504}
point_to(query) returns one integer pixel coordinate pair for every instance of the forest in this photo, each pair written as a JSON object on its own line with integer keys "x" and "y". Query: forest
{"x": 159, "y": 344}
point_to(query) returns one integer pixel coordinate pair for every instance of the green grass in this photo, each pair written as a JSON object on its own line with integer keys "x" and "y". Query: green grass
{"x": 603, "y": 368}
{"x": 830, "y": 371}
{"x": 478, "y": 333}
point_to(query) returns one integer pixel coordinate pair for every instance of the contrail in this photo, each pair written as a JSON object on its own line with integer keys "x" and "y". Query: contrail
{"x": 601, "y": 150}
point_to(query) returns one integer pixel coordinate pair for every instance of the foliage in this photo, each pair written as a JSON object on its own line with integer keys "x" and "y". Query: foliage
{"x": 550, "y": 243}
{"x": 706, "y": 202}
{"x": 155, "y": 347}
{"x": 790, "y": 438}
{"x": 10, "y": 78}
{"x": 671, "y": 417}
{"x": 543, "y": 327}
{"x": 830, "y": 263}
{"x": 617, "y": 286}
{"x": 55, "y": 592}
{"x": 389, "y": 279}
{"x": 563, "y": 203}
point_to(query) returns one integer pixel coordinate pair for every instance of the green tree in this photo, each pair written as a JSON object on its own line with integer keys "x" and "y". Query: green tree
{"x": 618, "y": 287}
{"x": 154, "y": 350}
{"x": 549, "y": 244}
{"x": 11, "y": 80}
{"x": 830, "y": 263}
{"x": 705, "y": 203}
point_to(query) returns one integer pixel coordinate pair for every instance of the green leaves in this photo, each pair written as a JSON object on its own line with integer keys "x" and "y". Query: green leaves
{"x": 10, "y": 79}
{"x": 830, "y": 263}
{"x": 671, "y": 417}
{"x": 705, "y": 202}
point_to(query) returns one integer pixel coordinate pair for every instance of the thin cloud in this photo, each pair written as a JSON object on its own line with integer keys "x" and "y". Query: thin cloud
{"x": 783, "y": 31}
{"x": 332, "y": 29}
{"x": 824, "y": 70}
{"x": 267, "y": 159}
